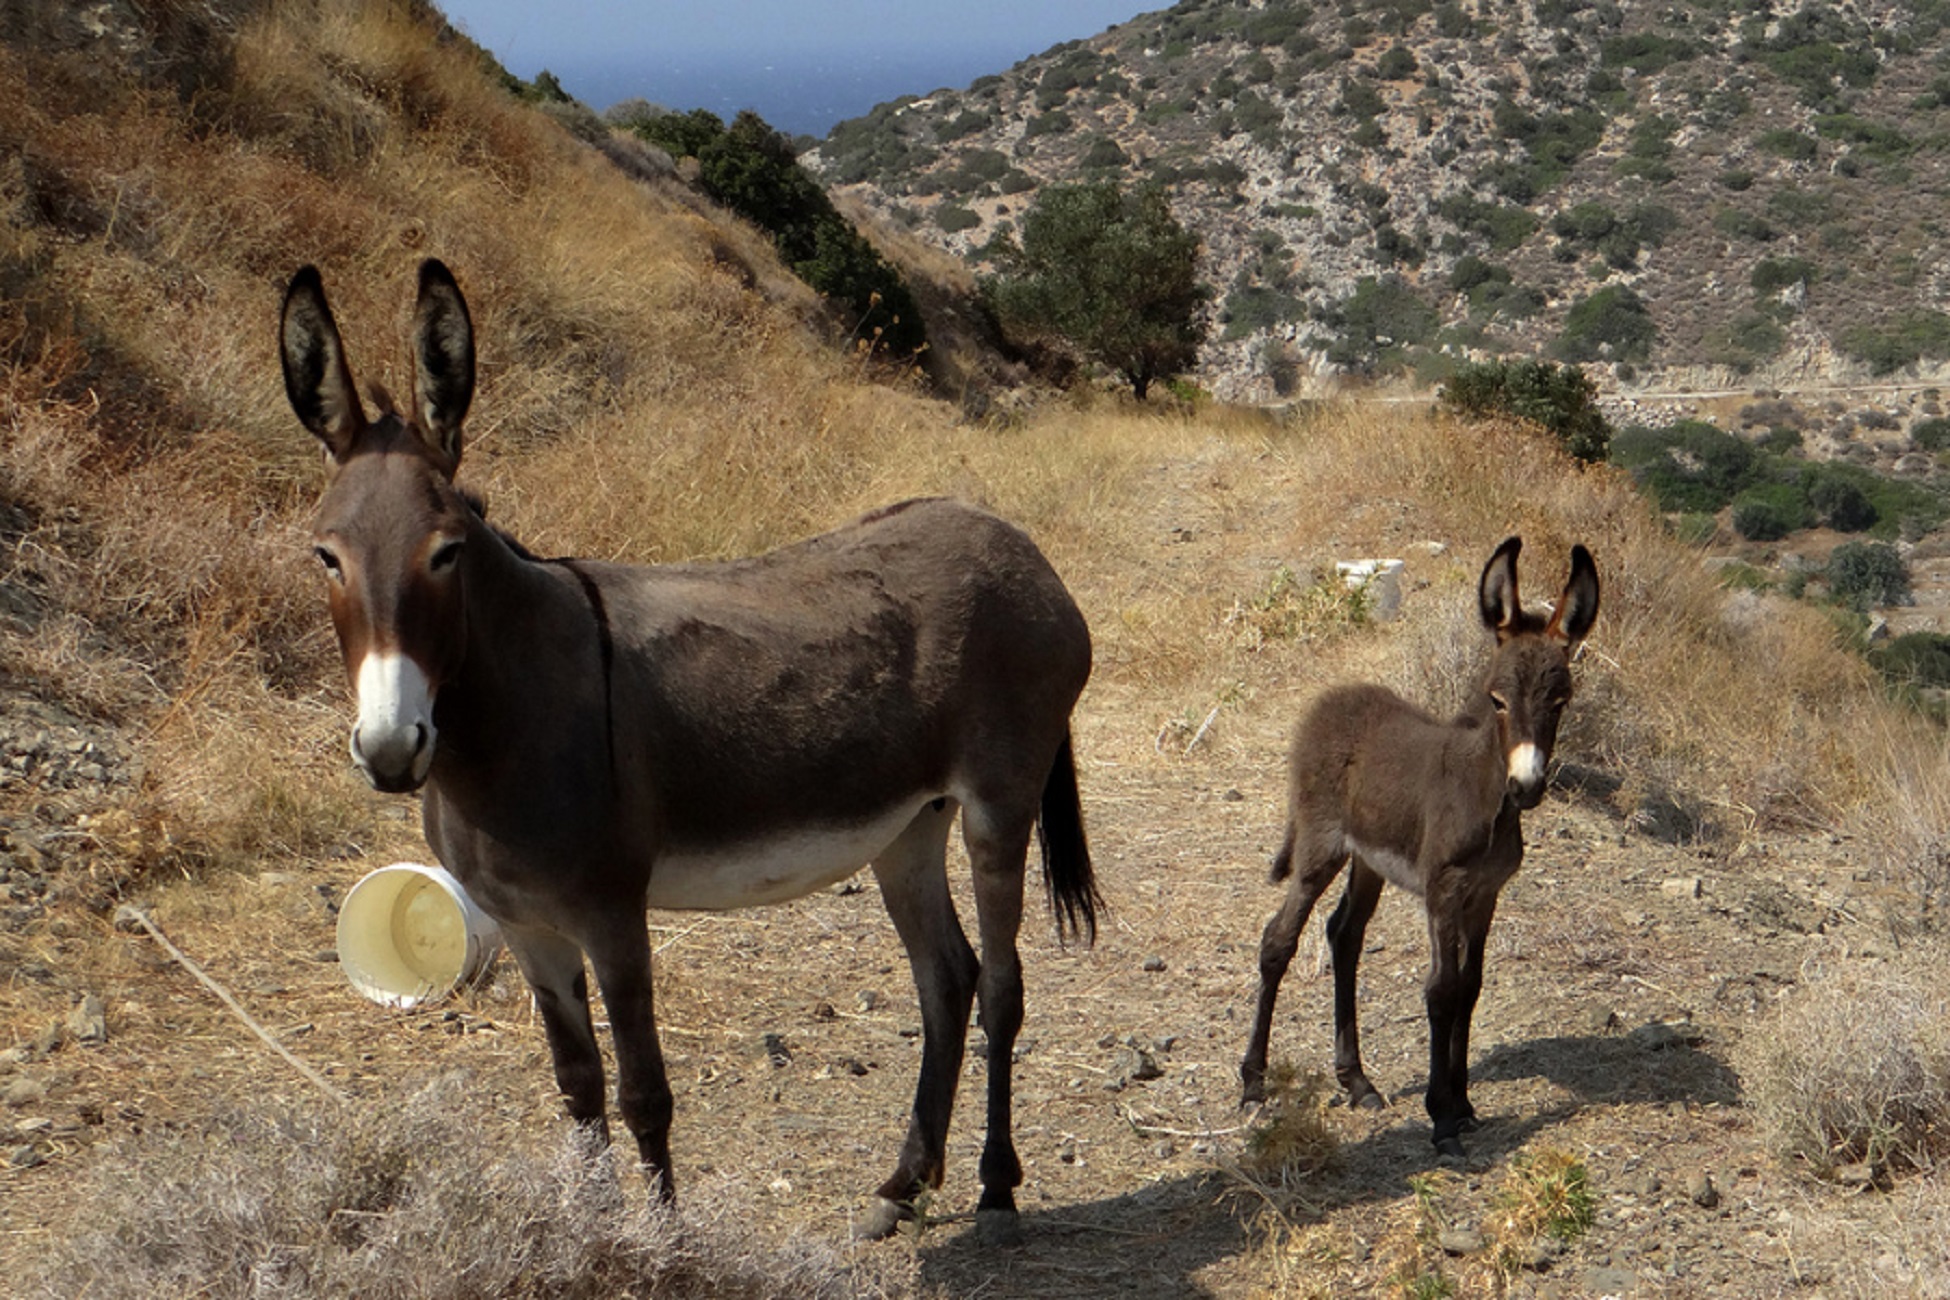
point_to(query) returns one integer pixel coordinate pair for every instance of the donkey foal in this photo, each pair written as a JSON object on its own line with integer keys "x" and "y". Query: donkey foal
{"x": 1433, "y": 807}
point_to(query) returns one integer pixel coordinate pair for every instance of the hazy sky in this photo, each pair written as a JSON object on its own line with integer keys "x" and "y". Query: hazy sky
{"x": 803, "y": 64}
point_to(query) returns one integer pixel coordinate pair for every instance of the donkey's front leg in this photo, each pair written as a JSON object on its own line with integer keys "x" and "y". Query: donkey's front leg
{"x": 620, "y": 952}
{"x": 552, "y": 965}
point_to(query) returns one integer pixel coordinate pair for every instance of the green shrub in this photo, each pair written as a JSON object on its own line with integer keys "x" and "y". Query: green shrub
{"x": 1561, "y": 398}
{"x": 1504, "y": 227}
{"x": 1770, "y": 512}
{"x": 1839, "y": 501}
{"x": 1865, "y": 574}
{"x": 1395, "y": 64}
{"x": 1793, "y": 146}
{"x": 954, "y": 218}
{"x": 1689, "y": 466}
{"x": 1380, "y": 318}
{"x": 751, "y": 169}
{"x": 1903, "y": 342}
{"x": 1773, "y": 274}
{"x": 1932, "y": 434}
{"x": 1612, "y": 324}
{"x": 1914, "y": 659}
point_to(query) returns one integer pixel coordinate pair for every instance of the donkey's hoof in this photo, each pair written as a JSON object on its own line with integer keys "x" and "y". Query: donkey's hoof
{"x": 1002, "y": 1228}
{"x": 1450, "y": 1148}
{"x": 882, "y": 1220}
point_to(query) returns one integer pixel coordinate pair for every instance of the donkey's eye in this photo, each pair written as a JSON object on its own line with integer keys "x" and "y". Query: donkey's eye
{"x": 446, "y": 555}
{"x": 1502, "y": 705}
{"x": 330, "y": 561}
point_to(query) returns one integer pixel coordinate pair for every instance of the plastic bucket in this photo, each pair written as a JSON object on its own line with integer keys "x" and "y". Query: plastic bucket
{"x": 409, "y": 934}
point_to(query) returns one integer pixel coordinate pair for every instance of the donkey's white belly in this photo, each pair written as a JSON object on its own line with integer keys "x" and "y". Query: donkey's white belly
{"x": 777, "y": 868}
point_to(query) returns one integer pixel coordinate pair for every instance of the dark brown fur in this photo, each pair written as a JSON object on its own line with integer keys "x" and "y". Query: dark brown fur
{"x": 602, "y": 737}
{"x": 1432, "y": 807}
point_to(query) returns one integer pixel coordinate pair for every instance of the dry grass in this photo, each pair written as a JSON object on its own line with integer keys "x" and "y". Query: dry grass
{"x": 395, "y": 1198}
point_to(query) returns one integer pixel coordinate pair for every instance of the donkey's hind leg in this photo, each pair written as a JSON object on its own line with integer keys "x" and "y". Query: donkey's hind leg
{"x": 619, "y": 950}
{"x": 1313, "y": 866}
{"x": 998, "y": 849}
{"x": 913, "y": 876}
{"x": 1345, "y": 931}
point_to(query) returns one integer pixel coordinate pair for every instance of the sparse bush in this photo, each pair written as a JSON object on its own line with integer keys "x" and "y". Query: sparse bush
{"x": 1862, "y": 575}
{"x": 1831, "y": 1086}
{"x": 395, "y": 1201}
{"x": 1561, "y": 398}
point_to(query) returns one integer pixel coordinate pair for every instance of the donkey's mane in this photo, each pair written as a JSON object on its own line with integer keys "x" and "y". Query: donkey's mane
{"x": 478, "y": 504}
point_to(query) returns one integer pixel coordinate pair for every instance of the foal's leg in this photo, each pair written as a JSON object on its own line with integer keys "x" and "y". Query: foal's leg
{"x": 998, "y": 847}
{"x": 1470, "y": 975}
{"x": 552, "y": 965}
{"x": 1450, "y": 999}
{"x": 619, "y": 949}
{"x": 913, "y": 876}
{"x": 1346, "y": 929}
{"x": 1314, "y": 866}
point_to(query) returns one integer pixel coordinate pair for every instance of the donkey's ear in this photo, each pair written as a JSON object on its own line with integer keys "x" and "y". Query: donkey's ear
{"x": 316, "y": 377}
{"x": 443, "y": 359}
{"x": 1496, "y": 594}
{"x": 1577, "y": 608}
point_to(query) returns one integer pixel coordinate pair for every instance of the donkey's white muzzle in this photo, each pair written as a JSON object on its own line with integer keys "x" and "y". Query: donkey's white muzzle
{"x": 392, "y": 742}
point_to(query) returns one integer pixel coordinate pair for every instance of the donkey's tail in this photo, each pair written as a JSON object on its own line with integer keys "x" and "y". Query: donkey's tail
{"x": 1067, "y": 875}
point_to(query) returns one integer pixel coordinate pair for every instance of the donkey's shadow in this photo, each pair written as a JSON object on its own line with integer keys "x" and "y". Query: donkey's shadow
{"x": 1649, "y": 1065}
{"x": 1157, "y": 1240}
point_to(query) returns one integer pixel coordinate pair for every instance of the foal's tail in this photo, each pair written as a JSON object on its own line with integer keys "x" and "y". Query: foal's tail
{"x": 1067, "y": 875}
{"x": 1283, "y": 860}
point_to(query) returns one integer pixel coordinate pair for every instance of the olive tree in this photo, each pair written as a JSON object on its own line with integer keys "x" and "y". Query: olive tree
{"x": 1110, "y": 273}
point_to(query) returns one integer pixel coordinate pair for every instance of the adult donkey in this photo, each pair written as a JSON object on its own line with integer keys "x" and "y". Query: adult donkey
{"x": 595, "y": 738}
{"x": 1432, "y": 807}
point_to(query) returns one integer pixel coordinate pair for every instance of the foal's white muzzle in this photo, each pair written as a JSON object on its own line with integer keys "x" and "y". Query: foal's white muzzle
{"x": 392, "y": 741}
{"x": 1527, "y": 767}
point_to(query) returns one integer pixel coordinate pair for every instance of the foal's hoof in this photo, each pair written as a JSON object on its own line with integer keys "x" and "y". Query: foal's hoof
{"x": 1001, "y": 1228}
{"x": 882, "y": 1220}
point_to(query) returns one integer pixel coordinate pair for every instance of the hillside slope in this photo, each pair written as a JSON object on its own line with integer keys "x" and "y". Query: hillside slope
{"x": 1719, "y": 194}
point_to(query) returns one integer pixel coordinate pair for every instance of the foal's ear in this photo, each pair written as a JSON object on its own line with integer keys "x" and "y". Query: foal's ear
{"x": 1496, "y": 594}
{"x": 1577, "y": 608}
{"x": 443, "y": 360}
{"x": 317, "y": 379}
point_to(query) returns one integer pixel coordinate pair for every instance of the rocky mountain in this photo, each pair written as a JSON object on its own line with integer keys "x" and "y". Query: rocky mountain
{"x": 1692, "y": 193}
